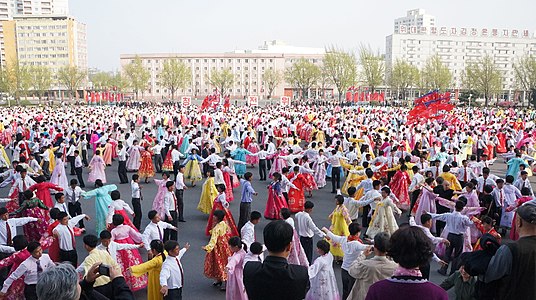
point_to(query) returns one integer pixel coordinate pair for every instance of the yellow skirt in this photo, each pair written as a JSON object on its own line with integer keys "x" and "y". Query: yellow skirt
{"x": 208, "y": 195}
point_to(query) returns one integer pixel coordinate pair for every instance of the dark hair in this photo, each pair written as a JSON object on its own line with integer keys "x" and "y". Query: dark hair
{"x": 169, "y": 184}
{"x": 277, "y": 236}
{"x": 285, "y": 213}
{"x": 158, "y": 246}
{"x": 430, "y": 180}
{"x": 308, "y": 205}
{"x": 135, "y": 177}
{"x": 255, "y": 215}
{"x": 58, "y": 196}
{"x": 459, "y": 205}
{"x": 219, "y": 214}
{"x": 118, "y": 219}
{"x": 19, "y": 242}
{"x": 105, "y": 234}
{"x": 525, "y": 191}
{"x": 323, "y": 245}
{"x": 410, "y": 247}
{"x": 509, "y": 179}
{"x": 62, "y": 215}
{"x": 220, "y": 187}
{"x": 3, "y": 210}
{"x": 91, "y": 240}
{"x": 376, "y": 183}
{"x": 32, "y": 246}
{"x": 387, "y": 190}
{"x": 382, "y": 242}
{"x": 170, "y": 245}
{"x": 115, "y": 195}
{"x": 28, "y": 194}
{"x": 354, "y": 228}
{"x": 235, "y": 241}
{"x": 487, "y": 220}
{"x": 53, "y": 213}
{"x": 425, "y": 218}
{"x": 73, "y": 181}
{"x": 98, "y": 183}
{"x": 151, "y": 214}
{"x": 255, "y": 248}
{"x": 248, "y": 175}
{"x": 351, "y": 191}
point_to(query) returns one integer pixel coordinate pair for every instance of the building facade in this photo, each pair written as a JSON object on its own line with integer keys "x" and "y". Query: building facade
{"x": 248, "y": 66}
{"x": 458, "y": 47}
{"x": 53, "y": 41}
{"x": 415, "y": 18}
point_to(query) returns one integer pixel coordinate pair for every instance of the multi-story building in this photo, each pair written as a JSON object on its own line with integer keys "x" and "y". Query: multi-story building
{"x": 415, "y": 18}
{"x": 248, "y": 67}
{"x": 54, "y": 41}
{"x": 458, "y": 47}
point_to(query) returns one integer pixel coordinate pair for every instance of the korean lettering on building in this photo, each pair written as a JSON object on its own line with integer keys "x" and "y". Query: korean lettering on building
{"x": 465, "y": 31}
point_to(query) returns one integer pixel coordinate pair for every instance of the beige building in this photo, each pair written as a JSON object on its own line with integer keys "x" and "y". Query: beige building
{"x": 54, "y": 41}
{"x": 247, "y": 65}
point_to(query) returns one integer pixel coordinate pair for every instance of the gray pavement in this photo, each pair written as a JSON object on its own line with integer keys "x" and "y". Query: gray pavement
{"x": 196, "y": 285}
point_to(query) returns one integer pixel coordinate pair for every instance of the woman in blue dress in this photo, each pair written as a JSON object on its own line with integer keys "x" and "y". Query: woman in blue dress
{"x": 102, "y": 201}
{"x": 240, "y": 154}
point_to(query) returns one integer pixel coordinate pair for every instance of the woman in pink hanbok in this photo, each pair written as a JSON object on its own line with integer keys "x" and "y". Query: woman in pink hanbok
{"x": 426, "y": 202}
{"x": 235, "y": 285}
{"x": 158, "y": 202}
{"x": 96, "y": 166}
{"x": 124, "y": 234}
{"x": 253, "y": 147}
{"x": 399, "y": 185}
{"x": 276, "y": 200}
{"x": 319, "y": 166}
{"x": 469, "y": 193}
{"x": 279, "y": 163}
{"x": 134, "y": 155}
{"x": 58, "y": 176}
{"x": 297, "y": 254}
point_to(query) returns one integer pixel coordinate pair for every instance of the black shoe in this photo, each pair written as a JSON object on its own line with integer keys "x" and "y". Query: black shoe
{"x": 334, "y": 192}
{"x": 182, "y": 221}
{"x": 442, "y": 271}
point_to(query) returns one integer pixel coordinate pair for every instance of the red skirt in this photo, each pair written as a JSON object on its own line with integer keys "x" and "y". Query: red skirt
{"x": 216, "y": 260}
{"x": 228, "y": 219}
{"x": 274, "y": 205}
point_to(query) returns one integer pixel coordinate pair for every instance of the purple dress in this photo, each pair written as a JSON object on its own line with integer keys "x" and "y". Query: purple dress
{"x": 409, "y": 289}
{"x": 97, "y": 169}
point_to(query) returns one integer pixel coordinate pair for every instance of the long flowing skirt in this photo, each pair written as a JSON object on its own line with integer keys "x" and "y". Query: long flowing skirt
{"x": 274, "y": 205}
{"x": 158, "y": 202}
{"x": 127, "y": 258}
{"x": 126, "y": 222}
{"x": 320, "y": 175}
{"x": 133, "y": 161}
{"x": 252, "y": 160}
{"x": 192, "y": 171}
{"x": 228, "y": 219}
{"x": 310, "y": 183}
{"x": 338, "y": 227}
{"x": 400, "y": 190}
{"x": 383, "y": 220}
{"x": 228, "y": 187}
{"x": 97, "y": 173}
{"x": 297, "y": 255}
{"x": 277, "y": 166}
{"x": 35, "y": 230}
{"x": 167, "y": 166}
{"x": 296, "y": 200}
{"x": 216, "y": 260}
{"x": 59, "y": 177}
{"x": 208, "y": 194}
{"x": 146, "y": 169}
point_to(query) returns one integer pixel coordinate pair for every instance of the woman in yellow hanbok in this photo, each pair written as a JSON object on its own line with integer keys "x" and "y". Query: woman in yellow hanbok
{"x": 208, "y": 194}
{"x": 224, "y": 129}
{"x": 215, "y": 142}
{"x": 340, "y": 219}
{"x": 353, "y": 178}
{"x": 152, "y": 268}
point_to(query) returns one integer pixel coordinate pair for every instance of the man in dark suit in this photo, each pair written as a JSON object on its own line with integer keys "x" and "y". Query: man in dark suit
{"x": 275, "y": 278}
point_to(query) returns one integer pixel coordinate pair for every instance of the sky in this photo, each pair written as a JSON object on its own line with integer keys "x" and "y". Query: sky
{"x": 117, "y": 27}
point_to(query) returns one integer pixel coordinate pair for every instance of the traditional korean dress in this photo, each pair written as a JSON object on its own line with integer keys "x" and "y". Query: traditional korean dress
{"x": 219, "y": 203}
{"x": 58, "y": 176}
{"x": 43, "y": 193}
{"x": 102, "y": 201}
{"x": 192, "y": 170}
{"x": 158, "y": 202}
{"x": 35, "y": 208}
{"x": 152, "y": 268}
{"x": 146, "y": 169}
{"x": 399, "y": 185}
{"x": 97, "y": 169}
{"x": 218, "y": 252}
{"x": 124, "y": 234}
{"x": 296, "y": 197}
{"x": 208, "y": 194}
{"x": 340, "y": 219}
{"x": 383, "y": 219}
{"x": 322, "y": 279}
{"x": 120, "y": 207}
{"x": 240, "y": 154}
{"x": 235, "y": 273}
{"x": 253, "y": 148}
{"x": 275, "y": 202}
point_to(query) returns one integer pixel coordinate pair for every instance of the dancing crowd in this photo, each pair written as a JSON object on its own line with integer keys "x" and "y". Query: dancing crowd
{"x": 404, "y": 192}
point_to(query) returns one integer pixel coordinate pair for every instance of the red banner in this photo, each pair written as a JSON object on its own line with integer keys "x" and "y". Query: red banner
{"x": 430, "y": 106}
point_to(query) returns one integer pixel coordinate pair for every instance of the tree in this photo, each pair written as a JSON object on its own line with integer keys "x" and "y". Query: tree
{"x": 303, "y": 74}
{"x": 373, "y": 68}
{"x": 221, "y": 80}
{"x": 101, "y": 81}
{"x": 341, "y": 68}
{"x": 272, "y": 79}
{"x": 324, "y": 80}
{"x": 175, "y": 75}
{"x": 120, "y": 82}
{"x": 435, "y": 75}
{"x": 41, "y": 80}
{"x": 403, "y": 76}
{"x": 18, "y": 80}
{"x": 525, "y": 74}
{"x": 137, "y": 75}
{"x": 71, "y": 77}
{"x": 483, "y": 77}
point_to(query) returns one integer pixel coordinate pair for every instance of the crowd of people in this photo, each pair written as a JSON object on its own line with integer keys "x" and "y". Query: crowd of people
{"x": 404, "y": 193}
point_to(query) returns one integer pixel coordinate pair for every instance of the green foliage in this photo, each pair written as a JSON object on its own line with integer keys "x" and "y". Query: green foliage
{"x": 303, "y": 74}
{"x": 175, "y": 75}
{"x": 137, "y": 76}
{"x": 341, "y": 68}
{"x": 483, "y": 77}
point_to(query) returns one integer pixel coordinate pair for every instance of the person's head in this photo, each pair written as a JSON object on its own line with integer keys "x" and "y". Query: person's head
{"x": 170, "y": 185}
{"x": 369, "y": 173}
{"x": 19, "y": 242}
{"x": 339, "y": 200}
{"x": 308, "y": 206}
{"x": 526, "y": 220}
{"x": 381, "y": 243}
{"x": 60, "y": 198}
{"x": 73, "y": 183}
{"x": 351, "y": 191}
{"x": 218, "y": 216}
{"x": 28, "y": 194}
{"x": 115, "y": 195}
{"x": 4, "y": 214}
{"x": 135, "y": 177}
{"x": 278, "y": 238}
{"x": 58, "y": 282}
{"x": 459, "y": 205}
{"x": 255, "y": 217}
{"x": 220, "y": 188}
{"x": 322, "y": 247}
{"x": 386, "y": 191}
{"x": 430, "y": 181}
{"x": 118, "y": 219}
{"x": 410, "y": 247}
{"x": 376, "y": 184}
{"x": 105, "y": 237}
{"x": 248, "y": 176}
{"x": 487, "y": 223}
{"x": 172, "y": 248}
{"x": 90, "y": 242}
{"x": 526, "y": 191}
{"x": 500, "y": 183}
{"x": 509, "y": 179}
{"x": 63, "y": 217}
{"x": 256, "y": 248}
{"x": 235, "y": 244}
{"x": 426, "y": 220}
{"x": 285, "y": 213}
{"x": 98, "y": 183}
{"x": 153, "y": 216}
{"x": 354, "y": 228}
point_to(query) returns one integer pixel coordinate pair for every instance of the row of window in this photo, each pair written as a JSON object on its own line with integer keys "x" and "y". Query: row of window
{"x": 42, "y": 27}
{"x": 469, "y": 43}
{"x": 32, "y": 56}
{"x": 39, "y": 34}
{"x": 246, "y": 60}
{"x": 29, "y": 49}
{"x": 206, "y": 91}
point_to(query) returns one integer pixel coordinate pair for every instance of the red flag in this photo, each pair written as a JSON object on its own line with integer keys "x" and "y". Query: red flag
{"x": 93, "y": 97}
{"x": 382, "y": 97}
{"x": 348, "y": 96}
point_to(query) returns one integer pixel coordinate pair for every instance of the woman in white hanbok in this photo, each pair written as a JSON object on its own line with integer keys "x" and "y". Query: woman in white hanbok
{"x": 58, "y": 176}
{"x": 297, "y": 254}
{"x": 383, "y": 219}
{"x": 321, "y": 275}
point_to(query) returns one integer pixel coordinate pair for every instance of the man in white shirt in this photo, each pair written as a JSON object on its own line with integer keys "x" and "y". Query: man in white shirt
{"x": 60, "y": 203}
{"x": 65, "y": 235}
{"x": 154, "y": 230}
{"x": 72, "y": 195}
{"x": 112, "y": 247}
{"x": 307, "y": 229}
{"x": 172, "y": 274}
{"x": 175, "y": 158}
{"x": 523, "y": 182}
{"x": 415, "y": 186}
{"x": 70, "y": 155}
{"x": 465, "y": 173}
{"x": 78, "y": 168}
{"x": 180, "y": 186}
{"x": 426, "y": 221}
{"x": 23, "y": 183}
{"x": 31, "y": 269}
{"x": 211, "y": 160}
{"x": 170, "y": 209}
{"x": 248, "y": 230}
{"x": 218, "y": 174}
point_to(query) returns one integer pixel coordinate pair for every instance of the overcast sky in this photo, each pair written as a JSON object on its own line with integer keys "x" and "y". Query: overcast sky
{"x": 185, "y": 26}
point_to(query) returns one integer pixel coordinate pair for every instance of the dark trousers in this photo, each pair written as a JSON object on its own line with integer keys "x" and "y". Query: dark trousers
{"x": 179, "y": 194}
{"x": 4, "y": 272}
{"x": 307, "y": 245}
{"x": 365, "y": 220}
{"x": 30, "y": 292}
{"x": 158, "y": 162}
{"x": 78, "y": 172}
{"x": 84, "y": 158}
{"x": 122, "y": 171}
{"x": 454, "y": 249}
{"x": 69, "y": 256}
{"x": 479, "y": 153}
{"x": 136, "y": 206}
{"x": 347, "y": 283}
{"x": 176, "y": 169}
{"x": 46, "y": 171}
{"x": 414, "y": 196}
{"x": 285, "y": 194}
{"x": 425, "y": 270}
{"x": 174, "y": 294}
{"x": 70, "y": 159}
{"x": 440, "y": 225}
{"x": 168, "y": 233}
{"x": 262, "y": 169}
{"x": 75, "y": 209}
{"x": 269, "y": 163}
{"x": 335, "y": 179}
{"x": 245, "y": 212}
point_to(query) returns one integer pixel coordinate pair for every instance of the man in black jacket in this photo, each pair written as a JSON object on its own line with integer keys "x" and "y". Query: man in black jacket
{"x": 275, "y": 278}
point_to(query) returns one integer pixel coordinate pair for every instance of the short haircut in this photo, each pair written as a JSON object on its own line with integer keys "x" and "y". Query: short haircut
{"x": 73, "y": 181}
{"x": 115, "y": 195}
{"x": 32, "y": 246}
{"x": 169, "y": 184}
{"x": 170, "y": 245}
{"x": 219, "y": 214}
{"x": 255, "y": 215}
{"x": 28, "y": 194}
{"x": 105, "y": 235}
{"x": 410, "y": 247}
{"x": 354, "y": 228}
{"x": 308, "y": 205}
{"x": 351, "y": 191}
{"x": 323, "y": 246}
{"x": 91, "y": 240}
{"x": 135, "y": 177}
{"x": 425, "y": 218}
{"x": 62, "y": 215}
{"x": 382, "y": 241}
{"x": 19, "y": 242}
{"x": 256, "y": 248}
{"x": 376, "y": 183}
{"x": 277, "y": 236}
{"x": 248, "y": 175}
{"x": 3, "y": 210}
{"x": 285, "y": 213}
{"x": 459, "y": 205}
{"x": 118, "y": 219}
{"x": 151, "y": 214}
{"x": 509, "y": 179}
{"x": 58, "y": 282}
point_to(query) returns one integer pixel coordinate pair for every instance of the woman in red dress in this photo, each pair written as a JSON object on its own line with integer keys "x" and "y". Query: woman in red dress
{"x": 220, "y": 203}
{"x": 276, "y": 200}
{"x": 218, "y": 250}
{"x": 399, "y": 185}
{"x": 41, "y": 189}
{"x": 296, "y": 197}
{"x": 146, "y": 169}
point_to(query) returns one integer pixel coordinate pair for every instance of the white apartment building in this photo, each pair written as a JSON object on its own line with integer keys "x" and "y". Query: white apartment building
{"x": 458, "y": 47}
{"x": 248, "y": 67}
{"x": 415, "y": 18}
